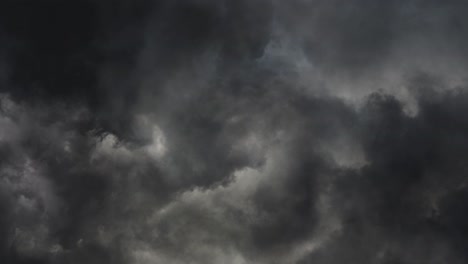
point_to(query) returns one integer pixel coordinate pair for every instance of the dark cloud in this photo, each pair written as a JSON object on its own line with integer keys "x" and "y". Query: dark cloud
{"x": 201, "y": 131}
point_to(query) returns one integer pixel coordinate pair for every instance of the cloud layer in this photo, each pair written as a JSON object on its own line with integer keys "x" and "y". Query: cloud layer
{"x": 236, "y": 132}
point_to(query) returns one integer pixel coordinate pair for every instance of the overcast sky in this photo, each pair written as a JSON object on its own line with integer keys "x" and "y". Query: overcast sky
{"x": 233, "y": 132}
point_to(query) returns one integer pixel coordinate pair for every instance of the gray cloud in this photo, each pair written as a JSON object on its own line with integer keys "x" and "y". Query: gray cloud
{"x": 201, "y": 131}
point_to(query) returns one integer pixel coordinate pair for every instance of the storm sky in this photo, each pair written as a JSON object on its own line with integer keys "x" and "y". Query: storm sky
{"x": 233, "y": 132}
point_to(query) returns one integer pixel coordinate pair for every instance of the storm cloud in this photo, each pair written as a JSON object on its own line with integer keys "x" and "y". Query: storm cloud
{"x": 236, "y": 132}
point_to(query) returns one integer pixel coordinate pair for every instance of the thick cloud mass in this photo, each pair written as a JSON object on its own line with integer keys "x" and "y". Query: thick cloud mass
{"x": 233, "y": 132}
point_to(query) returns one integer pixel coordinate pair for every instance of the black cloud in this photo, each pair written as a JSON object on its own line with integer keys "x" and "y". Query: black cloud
{"x": 202, "y": 131}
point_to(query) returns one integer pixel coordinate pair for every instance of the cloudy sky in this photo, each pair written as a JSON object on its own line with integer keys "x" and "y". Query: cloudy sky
{"x": 233, "y": 132}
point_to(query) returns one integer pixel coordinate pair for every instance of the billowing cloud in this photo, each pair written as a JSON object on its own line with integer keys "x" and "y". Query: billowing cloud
{"x": 237, "y": 132}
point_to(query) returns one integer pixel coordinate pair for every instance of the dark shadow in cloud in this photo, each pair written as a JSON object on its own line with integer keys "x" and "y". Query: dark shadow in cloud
{"x": 410, "y": 195}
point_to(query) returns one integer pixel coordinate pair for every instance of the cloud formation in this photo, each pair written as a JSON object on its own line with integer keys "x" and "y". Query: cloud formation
{"x": 237, "y": 132}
